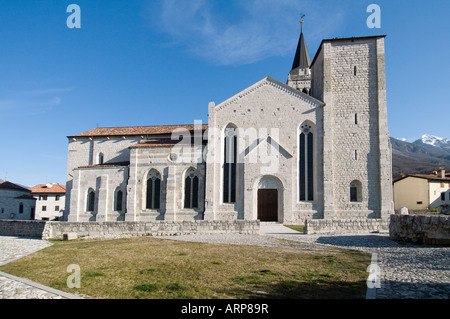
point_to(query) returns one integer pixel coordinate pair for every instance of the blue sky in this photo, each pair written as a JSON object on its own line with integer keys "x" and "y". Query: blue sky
{"x": 159, "y": 62}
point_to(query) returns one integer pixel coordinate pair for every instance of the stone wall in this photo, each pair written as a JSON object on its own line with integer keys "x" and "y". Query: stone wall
{"x": 321, "y": 226}
{"x": 420, "y": 229}
{"x": 47, "y": 230}
{"x": 22, "y": 228}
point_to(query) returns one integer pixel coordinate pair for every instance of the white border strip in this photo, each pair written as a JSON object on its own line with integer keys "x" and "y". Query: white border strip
{"x": 41, "y": 287}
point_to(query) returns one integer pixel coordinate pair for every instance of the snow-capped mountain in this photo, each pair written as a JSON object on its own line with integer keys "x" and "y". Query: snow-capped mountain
{"x": 420, "y": 155}
{"x": 434, "y": 141}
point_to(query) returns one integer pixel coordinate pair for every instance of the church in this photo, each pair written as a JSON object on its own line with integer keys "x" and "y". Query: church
{"x": 313, "y": 147}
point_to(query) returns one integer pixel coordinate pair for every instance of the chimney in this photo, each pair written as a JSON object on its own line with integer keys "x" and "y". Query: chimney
{"x": 441, "y": 172}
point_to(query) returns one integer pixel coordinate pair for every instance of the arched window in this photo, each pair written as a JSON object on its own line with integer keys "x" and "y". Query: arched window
{"x": 355, "y": 191}
{"x": 306, "y": 163}
{"x": 229, "y": 165}
{"x": 153, "y": 190}
{"x": 21, "y": 208}
{"x": 306, "y": 169}
{"x": 191, "y": 186}
{"x": 118, "y": 200}
{"x": 90, "y": 200}
{"x": 100, "y": 159}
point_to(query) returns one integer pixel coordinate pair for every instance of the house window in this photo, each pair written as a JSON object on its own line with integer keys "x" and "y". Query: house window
{"x": 355, "y": 191}
{"x": 21, "y": 208}
{"x": 56, "y": 208}
{"x": 443, "y": 196}
{"x": 419, "y": 203}
{"x": 153, "y": 190}
{"x": 44, "y": 197}
{"x": 90, "y": 200}
{"x": 118, "y": 200}
{"x": 306, "y": 163}
{"x": 3, "y": 210}
{"x": 57, "y": 197}
{"x": 191, "y": 186}
{"x": 229, "y": 165}
{"x": 44, "y": 208}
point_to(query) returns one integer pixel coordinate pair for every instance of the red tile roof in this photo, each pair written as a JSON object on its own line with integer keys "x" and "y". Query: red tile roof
{"x": 425, "y": 176}
{"x": 44, "y": 188}
{"x": 137, "y": 130}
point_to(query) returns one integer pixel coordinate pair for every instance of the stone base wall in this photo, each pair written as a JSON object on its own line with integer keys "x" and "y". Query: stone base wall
{"x": 22, "y": 228}
{"x": 420, "y": 229}
{"x": 321, "y": 226}
{"x": 47, "y": 230}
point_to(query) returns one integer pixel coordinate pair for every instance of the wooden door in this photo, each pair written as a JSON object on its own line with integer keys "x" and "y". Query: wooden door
{"x": 268, "y": 205}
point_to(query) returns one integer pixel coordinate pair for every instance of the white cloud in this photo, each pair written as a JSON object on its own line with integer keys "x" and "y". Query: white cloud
{"x": 242, "y": 32}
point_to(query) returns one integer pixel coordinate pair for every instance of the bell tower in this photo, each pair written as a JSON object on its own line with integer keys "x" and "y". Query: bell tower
{"x": 300, "y": 76}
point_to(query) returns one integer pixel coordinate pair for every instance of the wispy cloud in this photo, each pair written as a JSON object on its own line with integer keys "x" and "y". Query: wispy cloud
{"x": 240, "y": 32}
{"x": 46, "y": 91}
{"x": 22, "y": 103}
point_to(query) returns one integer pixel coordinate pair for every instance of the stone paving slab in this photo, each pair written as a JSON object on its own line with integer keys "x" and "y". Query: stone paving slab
{"x": 12, "y": 287}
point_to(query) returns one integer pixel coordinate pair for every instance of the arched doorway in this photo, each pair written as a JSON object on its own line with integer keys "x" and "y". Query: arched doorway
{"x": 269, "y": 198}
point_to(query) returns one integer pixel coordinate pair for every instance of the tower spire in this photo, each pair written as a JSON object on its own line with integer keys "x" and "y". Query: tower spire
{"x": 301, "y": 58}
{"x": 300, "y": 75}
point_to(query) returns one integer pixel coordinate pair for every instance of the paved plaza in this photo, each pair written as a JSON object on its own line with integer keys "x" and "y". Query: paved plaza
{"x": 406, "y": 271}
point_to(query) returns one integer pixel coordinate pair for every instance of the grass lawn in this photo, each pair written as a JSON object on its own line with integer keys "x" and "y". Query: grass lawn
{"x": 145, "y": 267}
{"x": 299, "y": 228}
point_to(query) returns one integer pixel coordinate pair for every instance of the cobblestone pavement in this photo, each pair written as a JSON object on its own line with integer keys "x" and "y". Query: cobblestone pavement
{"x": 11, "y": 287}
{"x": 407, "y": 271}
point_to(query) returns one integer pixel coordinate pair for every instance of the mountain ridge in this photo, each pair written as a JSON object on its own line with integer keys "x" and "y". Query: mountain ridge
{"x": 421, "y": 156}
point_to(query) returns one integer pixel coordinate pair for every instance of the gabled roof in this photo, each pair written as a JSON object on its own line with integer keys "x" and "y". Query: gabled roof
{"x": 48, "y": 189}
{"x": 274, "y": 83}
{"x": 136, "y": 130}
{"x": 9, "y": 185}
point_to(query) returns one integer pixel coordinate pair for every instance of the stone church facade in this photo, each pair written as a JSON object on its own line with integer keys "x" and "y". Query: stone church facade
{"x": 315, "y": 147}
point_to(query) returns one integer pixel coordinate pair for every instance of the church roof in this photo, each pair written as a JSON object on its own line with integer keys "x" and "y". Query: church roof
{"x": 301, "y": 58}
{"x": 137, "y": 130}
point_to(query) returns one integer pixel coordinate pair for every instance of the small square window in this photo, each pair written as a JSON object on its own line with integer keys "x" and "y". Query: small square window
{"x": 56, "y": 208}
{"x": 44, "y": 208}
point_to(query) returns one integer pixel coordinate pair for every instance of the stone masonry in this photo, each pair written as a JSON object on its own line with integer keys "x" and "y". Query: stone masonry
{"x": 347, "y": 159}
